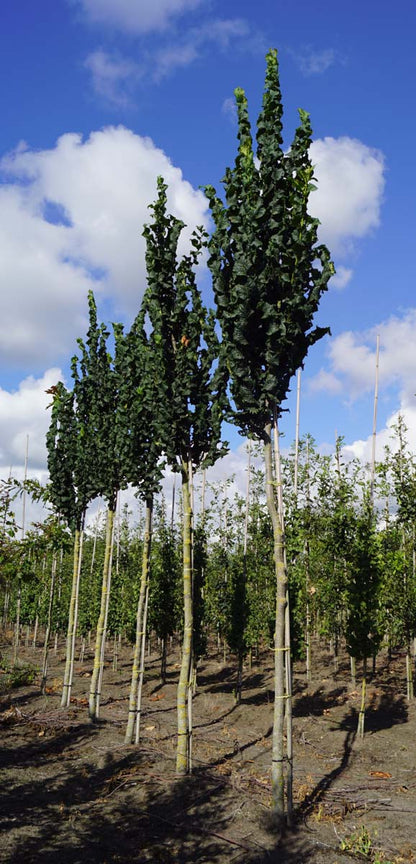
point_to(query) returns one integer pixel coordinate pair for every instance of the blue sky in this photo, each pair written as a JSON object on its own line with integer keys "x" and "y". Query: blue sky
{"x": 99, "y": 97}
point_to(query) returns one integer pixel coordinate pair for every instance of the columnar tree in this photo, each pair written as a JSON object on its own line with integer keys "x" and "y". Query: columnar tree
{"x": 269, "y": 274}
{"x": 140, "y": 445}
{"x": 192, "y": 393}
{"x": 70, "y": 490}
{"x": 96, "y": 389}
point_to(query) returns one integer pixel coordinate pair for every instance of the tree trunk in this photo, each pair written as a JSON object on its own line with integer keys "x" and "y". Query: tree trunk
{"x": 35, "y": 632}
{"x": 48, "y": 625}
{"x": 72, "y": 619}
{"x": 164, "y": 659}
{"x": 184, "y": 732}
{"x": 278, "y": 779}
{"x": 139, "y": 646}
{"x": 353, "y": 666}
{"x": 361, "y": 716}
{"x": 95, "y": 688}
{"x": 409, "y": 673}
{"x": 142, "y": 663}
{"x": 17, "y": 622}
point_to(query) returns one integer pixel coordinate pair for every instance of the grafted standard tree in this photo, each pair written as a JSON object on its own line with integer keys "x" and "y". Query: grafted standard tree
{"x": 70, "y": 491}
{"x": 96, "y": 391}
{"x": 269, "y": 274}
{"x": 140, "y": 450}
{"x": 192, "y": 386}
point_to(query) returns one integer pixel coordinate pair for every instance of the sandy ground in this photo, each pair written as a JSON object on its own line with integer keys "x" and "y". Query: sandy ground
{"x": 71, "y": 791}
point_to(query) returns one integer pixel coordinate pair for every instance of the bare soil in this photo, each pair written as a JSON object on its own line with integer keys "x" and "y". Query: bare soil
{"x": 73, "y": 792}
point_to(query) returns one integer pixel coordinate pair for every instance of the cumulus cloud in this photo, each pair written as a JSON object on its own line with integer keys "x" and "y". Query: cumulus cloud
{"x": 194, "y": 43}
{"x": 70, "y": 220}
{"x": 352, "y": 358}
{"x": 229, "y": 108}
{"x": 362, "y": 448}
{"x": 23, "y": 412}
{"x": 342, "y": 277}
{"x": 113, "y": 77}
{"x": 350, "y": 181}
{"x": 136, "y": 16}
{"x": 314, "y": 62}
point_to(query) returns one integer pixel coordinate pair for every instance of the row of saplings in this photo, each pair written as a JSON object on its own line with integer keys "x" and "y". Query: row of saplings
{"x": 351, "y": 571}
{"x": 157, "y": 396}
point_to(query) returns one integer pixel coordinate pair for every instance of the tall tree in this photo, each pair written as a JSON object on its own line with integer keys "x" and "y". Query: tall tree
{"x": 96, "y": 389}
{"x": 140, "y": 448}
{"x": 70, "y": 491}
{"x": 269, "y": 274}
{"x": 192, "y": 391}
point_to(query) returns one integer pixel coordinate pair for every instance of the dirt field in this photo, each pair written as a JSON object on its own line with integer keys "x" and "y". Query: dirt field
{"x": 73, "y": 792}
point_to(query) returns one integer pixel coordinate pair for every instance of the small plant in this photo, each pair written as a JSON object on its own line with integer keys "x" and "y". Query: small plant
{"x": 360, "y": 841}
{"x": 19, "y": 676}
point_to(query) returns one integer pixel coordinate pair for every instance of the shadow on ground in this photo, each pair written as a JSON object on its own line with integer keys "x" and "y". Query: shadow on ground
{"x": 126, "y": 810}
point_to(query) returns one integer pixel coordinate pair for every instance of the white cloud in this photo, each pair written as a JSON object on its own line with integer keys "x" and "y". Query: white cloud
{"x": 313, "y": 62}
{"x": 100, "y": 190}
{"x": 350, "y": 180}
{"x": 23, "y": 413}
{"x": 113, "y": 77}
{"x": 136, "y": 16}
{"x": 342, "y": 278}
{"x": 326, "y": 381}
{"x": 362, "y": 448}
{"x": 229, "y": 108}
{"x": 352, "y": 360}
{"x": 219, "y": 33}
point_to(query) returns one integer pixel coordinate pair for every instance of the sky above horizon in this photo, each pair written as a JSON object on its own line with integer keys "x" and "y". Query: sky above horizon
{"x": 100, "y": 97}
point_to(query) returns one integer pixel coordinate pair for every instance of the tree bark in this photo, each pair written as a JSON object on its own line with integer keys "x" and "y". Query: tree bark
{"x": 139, "y": 645}
{"x": 48, "y": 625}
{"x": 94, "y": 698}
{"x": 184, "y": 732}
{"x": 278, "y": 778}
{"x": 72, "y": 619}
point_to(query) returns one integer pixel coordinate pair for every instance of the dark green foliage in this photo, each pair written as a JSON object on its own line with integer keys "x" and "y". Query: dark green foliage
{"x": 96, "y": 386}
{"x": 191, "y": 383}
{"x": 200, "y": 556}
{"x": 362, "y": 630}
{"x": 138, "y": 417}
{"x": 268, "y": 271}
{"x": 165, "y": 578}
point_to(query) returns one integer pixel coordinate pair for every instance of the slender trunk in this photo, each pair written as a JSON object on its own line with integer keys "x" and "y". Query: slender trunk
{"x": 35, "y": 632}
{"x": 72, "y": 619}
{"x": 17, "y": 622}
{"x": 287, "y": 657}
{"x": 239, "y": 683}
{"x": 353, "y": 666}
{"x": 139, "y": 646}
{"x": 48, "y": 625}
{"x": 19, "y": 583}
{"x": 142, "y": 663}
{"x": 115, "y": 653}
{"x": 308, "y": 643}
{"x": 190, "y": 693}
{"x": 182, "y": 755}
{"x": 409, "y": 673}
{"x": 278, "y": 778}
{"x": 164, "y": 659}
{"x": 6, "y": 604}
{"x": 361, "y": 716}
{"x": 82, "y": 650}
{"x": 94, "y": 697}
